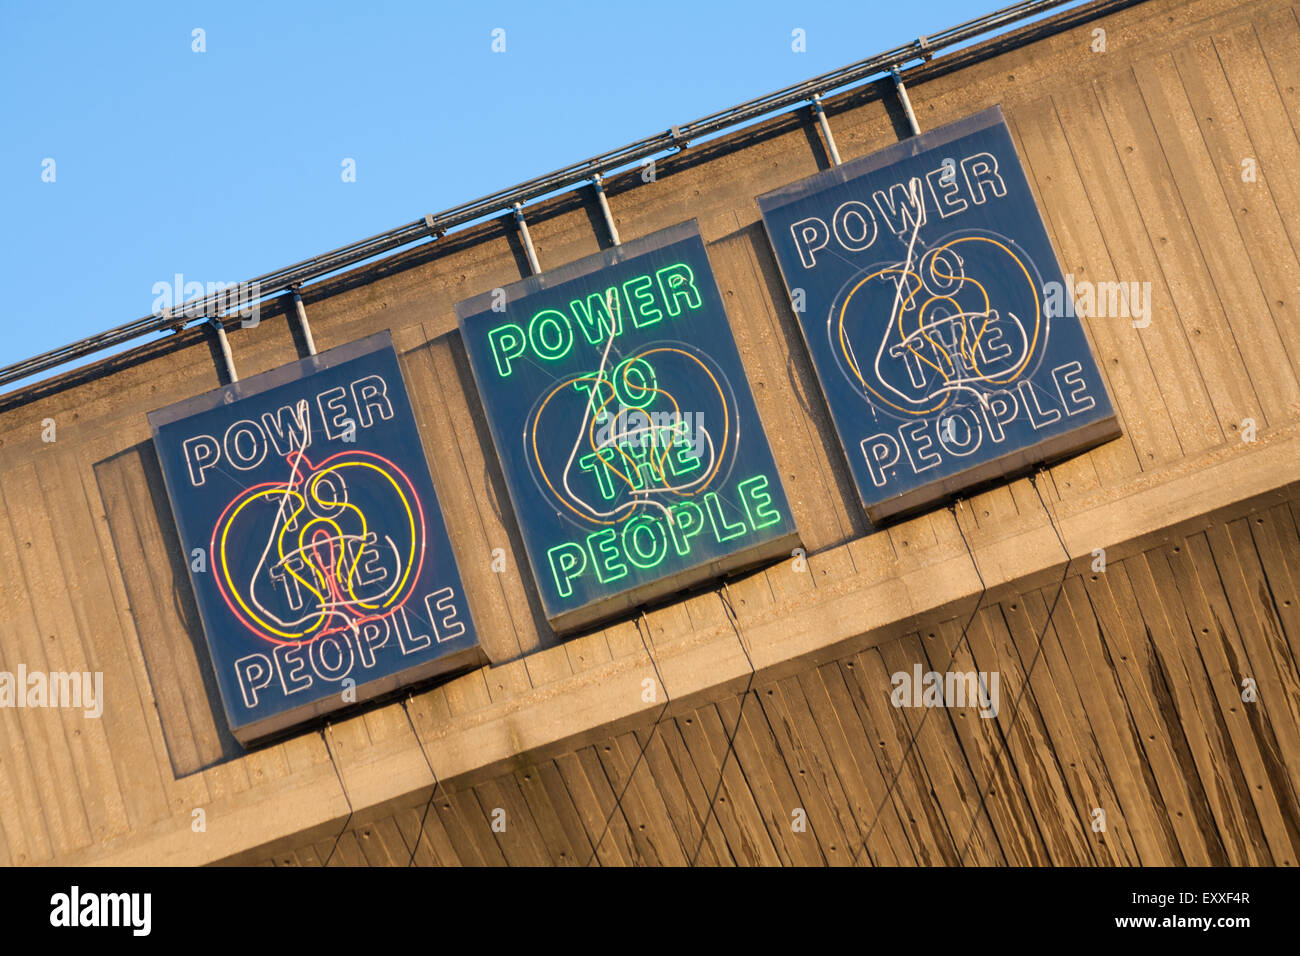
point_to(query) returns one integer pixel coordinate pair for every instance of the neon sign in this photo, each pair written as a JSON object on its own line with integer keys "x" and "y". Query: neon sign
{"x": 923, "y": 280}
{"x": 629, "y": 440}
{"x": 317, "y": 552}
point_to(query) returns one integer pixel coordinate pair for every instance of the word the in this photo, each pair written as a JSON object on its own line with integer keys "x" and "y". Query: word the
{"x": 643, "y": 462}
{"x": 103, "y": 909}
{"x": 933, "y": 689}
{"x": 75, "y": 689}
{"x": 656, "y": 429}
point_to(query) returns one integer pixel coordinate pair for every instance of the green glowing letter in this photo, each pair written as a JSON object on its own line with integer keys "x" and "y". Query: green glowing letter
{"x": 645, "y": 530}
{"x": 678, "y": 281}
{"x": 601, "y": 387}
{"x": 608, "y": 566}
{"x": 688, "y": 521}
{"x": 635, "y": 382}
{"x": 682, "y": 460}
{"x": 757, "y": 502}
{"x": 550, "y": 334}
{"x": 641, "y": 301}
{"x": 508, "y": 344}
{"x": 644, "y": 471}
{"x": 597, "y": 462}
{"x": 568, "y": 561}
{"x": 599, "y": 317}
{"x": 721, "y": 530}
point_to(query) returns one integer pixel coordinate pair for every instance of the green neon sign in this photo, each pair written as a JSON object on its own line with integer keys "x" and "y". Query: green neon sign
{"x": 629, "y": 440}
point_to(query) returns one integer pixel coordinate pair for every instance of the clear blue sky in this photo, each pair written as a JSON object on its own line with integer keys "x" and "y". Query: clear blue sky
{"x": 226, "y": 164}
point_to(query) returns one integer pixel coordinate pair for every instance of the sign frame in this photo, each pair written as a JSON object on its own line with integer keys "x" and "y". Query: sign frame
{"x": 847, "y": 401}
{"x": 541, "y": 512}
{"x": 408, "y": 626}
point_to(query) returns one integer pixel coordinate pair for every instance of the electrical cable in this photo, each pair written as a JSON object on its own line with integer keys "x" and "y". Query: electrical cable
{"x": 1038, "y": 650}
{"x": 734, "y": 621}
{"x": 911, "y": 743}
{"x": 326, "y": 735}
{"x": 436, "y": 782}
{"x": 618, "y": 800}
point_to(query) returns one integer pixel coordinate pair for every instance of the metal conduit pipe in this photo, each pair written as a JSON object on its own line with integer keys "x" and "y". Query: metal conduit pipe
{"x": 905, "y": 100}
{"x": 527, "y": 238}
{"x": 824, "y": 123}
{"x": 303, "y": 323}
{"x": 226, "y": 354}
{"x": 599, "y": 185}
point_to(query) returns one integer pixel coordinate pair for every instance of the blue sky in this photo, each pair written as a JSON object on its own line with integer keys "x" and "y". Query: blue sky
{"x": 226, "y": 164}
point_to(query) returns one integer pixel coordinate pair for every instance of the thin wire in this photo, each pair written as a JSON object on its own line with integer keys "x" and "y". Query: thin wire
{"x": 326, "y": 735}
{"x": 618, "y": 801}
{"x": 436, "y": 782}
{"x": 734, "y": 621}
{"x": 1015, "y": 712}
{"x": 911, "y": 743}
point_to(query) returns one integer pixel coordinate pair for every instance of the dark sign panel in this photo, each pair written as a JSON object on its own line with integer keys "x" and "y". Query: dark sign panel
{"x": 626, "y": 430}
{"x": 935, "y": 311}
{"x": 317, "y": 550}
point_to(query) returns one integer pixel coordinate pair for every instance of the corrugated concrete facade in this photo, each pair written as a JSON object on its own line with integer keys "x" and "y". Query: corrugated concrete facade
{"x": 1121, "y": 689}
